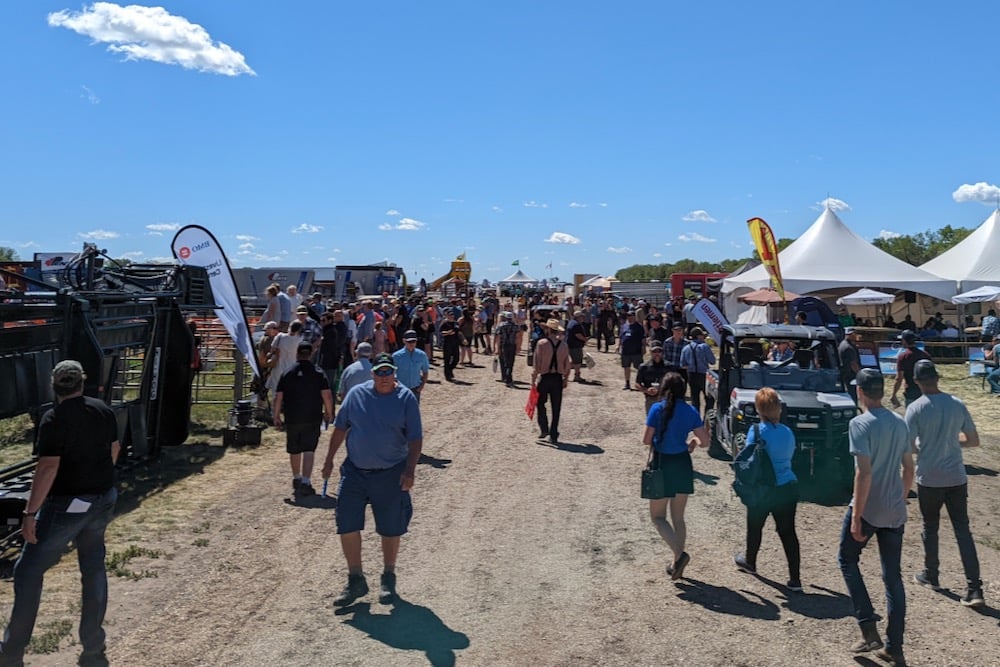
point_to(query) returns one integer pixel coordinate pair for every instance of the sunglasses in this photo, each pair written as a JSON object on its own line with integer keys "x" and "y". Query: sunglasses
{"x": 384, "y": 372}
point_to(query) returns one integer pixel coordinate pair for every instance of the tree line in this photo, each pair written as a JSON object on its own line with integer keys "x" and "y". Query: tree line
{"x": 915, "y": 249}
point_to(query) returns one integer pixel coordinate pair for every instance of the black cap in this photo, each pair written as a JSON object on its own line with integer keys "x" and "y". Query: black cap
{"x": 869, "y": 380}
{"x": 924, "y": 370}
{"x": 305, "y": 348}
{"x": 908, "y": 336}
{"x": 383, "y": 360}
{"x": 410, "y": 335}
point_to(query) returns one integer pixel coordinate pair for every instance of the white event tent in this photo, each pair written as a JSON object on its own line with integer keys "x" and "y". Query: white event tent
{"x": 973, "y": 262}
{"x": 828, "y": 256}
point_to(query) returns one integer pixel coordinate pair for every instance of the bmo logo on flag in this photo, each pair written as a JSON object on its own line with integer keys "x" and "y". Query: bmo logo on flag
{"x": 184, "y": 252}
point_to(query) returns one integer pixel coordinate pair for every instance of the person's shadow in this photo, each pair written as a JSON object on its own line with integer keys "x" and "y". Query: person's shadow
{"x": 409, "y": 627}
{"x": 727, "y": 601}
{"x": 586, "y": 448}
{"x": 828, "y": 604}
{"x": 434, "y": 462}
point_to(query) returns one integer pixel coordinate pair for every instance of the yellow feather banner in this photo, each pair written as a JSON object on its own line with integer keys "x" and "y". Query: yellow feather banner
{"x": 767, "y": 248}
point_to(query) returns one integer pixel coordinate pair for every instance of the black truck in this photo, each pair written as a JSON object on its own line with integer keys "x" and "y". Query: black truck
{"x": 801, "y": 363}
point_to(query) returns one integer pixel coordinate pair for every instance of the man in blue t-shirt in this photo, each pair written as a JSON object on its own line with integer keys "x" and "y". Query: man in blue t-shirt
{"x": 380, "y": 420}
{"x": 880, "y": 444}
{"x": 412, "y": 365}
{"x": 935, "y": 421}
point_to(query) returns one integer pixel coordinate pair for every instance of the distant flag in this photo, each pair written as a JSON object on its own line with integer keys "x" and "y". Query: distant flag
{"x": 549, "y": 265}
{"x": 767, "y": 248}
{"x": 516, "y": 262}
{"x": 461, "y": 258}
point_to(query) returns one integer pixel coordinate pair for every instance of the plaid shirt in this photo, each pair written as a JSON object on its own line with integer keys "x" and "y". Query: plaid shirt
{"x": 672, "y": 352}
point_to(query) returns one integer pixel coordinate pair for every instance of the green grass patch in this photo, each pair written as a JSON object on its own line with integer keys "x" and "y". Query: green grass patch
{"x": 48, "y": 636}
{"x": 117, "y": 561}
{"x": 200, "y": 542}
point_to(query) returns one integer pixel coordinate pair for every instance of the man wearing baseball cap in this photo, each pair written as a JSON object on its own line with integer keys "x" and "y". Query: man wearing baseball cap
{"x": 412, "y": 365}
{"x": 380, "y": 421}
{"x": 880, "y": 444}
{"x": 358, "y": 372}
{"x": 936, "y": 420}
{"x": 72, "y": 499}
{"x": 905, "y": 361}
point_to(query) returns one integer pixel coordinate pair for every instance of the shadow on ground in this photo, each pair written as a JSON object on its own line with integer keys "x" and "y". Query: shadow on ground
{"x": 428, "y": 460}
{"x": 727, "y": 601}
{"x": 825, "y": 604}
{"x": 409, "y": 627}
{"x": 573, "y": 448}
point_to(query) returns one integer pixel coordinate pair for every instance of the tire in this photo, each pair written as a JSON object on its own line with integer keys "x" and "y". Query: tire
{"x": 716, "y": 448}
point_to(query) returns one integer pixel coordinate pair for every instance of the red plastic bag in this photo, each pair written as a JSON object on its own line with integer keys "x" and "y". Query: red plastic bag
{"x": 529, "y": 408}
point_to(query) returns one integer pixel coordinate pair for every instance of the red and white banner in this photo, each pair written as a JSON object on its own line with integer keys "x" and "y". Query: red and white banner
{"x": 195, "y": 245}
{"x": 711, "y": 318}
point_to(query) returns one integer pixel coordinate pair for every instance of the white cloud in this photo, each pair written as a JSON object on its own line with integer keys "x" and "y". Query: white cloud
{"x": 260, "y": 257}
{"x": 535, "y": 204}
{"x": 152, "y": 33}
{"x": 161, "y": 260}
{"x": 698, "y": 215}
{"x": 332, "y": 260}
{"x": 886, "y": 234}
{"x": 603, "y": 204}
{"x": 392, "y": 212}
{"x": 164, "y": 227}
{"x": 496, "y": 208}
{"x": 657, "y": 254}
{"x": 834, "y": 204}
{"x": 454, "y": 201}
{"x": 247, "y": 246}
{"x": 668, "y": 244}
{"x": 984, "y": 193}
{"x": 620, "y": 251}
{"x": 336, "y": 250}
{"x": 305, "y": 228}
{"x": 246, "y": 237}
{"x": 562, "y": 237}
{"x": 98, "y": 235}
{"x": 135, "y": 254}
{"x": 27, "y": 244}
{"x": 695, "y": 236}
{"x": 574, "y": 204}
{"x": 404, "y": 225}
{"x": 89, "y": 95}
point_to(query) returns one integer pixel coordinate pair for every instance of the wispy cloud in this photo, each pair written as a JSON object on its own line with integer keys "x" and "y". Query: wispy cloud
{"x": 134, "y": 254}
{"x": 306, "y": 228}
{"x": 886, "y": 234}
{"x": 152, "y": 33}
{"x": 832, "y": 203}
{"x": 98, "y": 235}
{"x": 247, "y": 246}
{"x": 89, "y": 95}
{"x": 562, "y": 237}
{"x": 496, "y": 208}
{"x": 404, "y": 225}
{"x": 161, "y": 260}
{"x": 657, "y": 254}
{"x": 27, "y": 244}
{"x": 246, "y": 237}
{"x": 620, "y": 251}
{"x": 261, "y": 257}
{"x": 695, "y": 236}
{"x": 574, "y": 204}
{"x": 454, "y": 201}
{"x": 392, "y": 212}
{"x": 668, "y": 244}
{"x": 698, "y": 215}
{"x": 535, "y": 204}
{"x": 603, "y": 204}
{"x": 159, "y": 228}
{"x": 984, "y": 193}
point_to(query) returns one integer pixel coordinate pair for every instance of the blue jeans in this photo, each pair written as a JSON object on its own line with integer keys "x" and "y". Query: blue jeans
{"x": 994, "y": 379}
{"x": 956, "y": 500}
{"x": 55, "y": 529}
{"x": 890, "y": 549}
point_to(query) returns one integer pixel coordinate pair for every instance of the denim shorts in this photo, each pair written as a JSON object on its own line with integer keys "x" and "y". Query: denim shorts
{"x": 391, "y": 506}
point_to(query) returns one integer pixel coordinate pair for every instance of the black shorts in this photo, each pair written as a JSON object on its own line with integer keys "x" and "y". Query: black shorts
{"x": 633, "y": 360}
{"x": 677, "y": 472}
{"x": 301, "y": 438}
{"x": 576, "y": 355}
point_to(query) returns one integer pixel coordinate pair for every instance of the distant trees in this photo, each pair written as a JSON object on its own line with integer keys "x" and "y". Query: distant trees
{"x": 7, "y": 254}
{"x": 915, "y": 249}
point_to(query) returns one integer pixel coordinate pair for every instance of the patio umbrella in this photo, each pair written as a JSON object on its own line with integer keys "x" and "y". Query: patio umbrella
{"x": 985, "y": 293}
{"x": 766, "y": 297}
{"x": 866, "y": 297}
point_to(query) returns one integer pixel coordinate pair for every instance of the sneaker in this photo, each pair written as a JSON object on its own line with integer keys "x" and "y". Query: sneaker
{"x": 742, "y": 565}
{"x": 794, "y": 585}
{"x": 894, "y": 658}
{"x": 306, "y": 490}
{"x": 626, "y": 388}
{"x": 870, "y": 641}
{"x": 387, "y": 588}
{"x": 974, "y": 598}
{"x": 544, "y": 434}
{"x": 357, "y": 586}
{"x": 99, "y": 659}
{"x": 554, "y": 438}
{"x": 679, "y": 566}
{"x": 295, "y": 484}
{"x": 927, "y": 580}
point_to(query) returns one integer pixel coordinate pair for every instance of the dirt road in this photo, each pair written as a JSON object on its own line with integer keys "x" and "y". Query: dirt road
{"x": 519, "y": 553}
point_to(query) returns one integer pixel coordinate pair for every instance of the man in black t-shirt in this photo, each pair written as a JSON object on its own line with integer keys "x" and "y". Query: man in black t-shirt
{"x": 905, "y": 361}
{"x": 305, "y": 395}
{"x": 631, "y": 347}
{"x": 576, "y": 340}
{"x": 72, "y": 499}
{"x": 450, "y": 344}
{"x": 650, "y": 374}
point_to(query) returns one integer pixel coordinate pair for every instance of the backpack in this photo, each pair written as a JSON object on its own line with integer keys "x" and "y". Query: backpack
{"x": 754, "y": 474}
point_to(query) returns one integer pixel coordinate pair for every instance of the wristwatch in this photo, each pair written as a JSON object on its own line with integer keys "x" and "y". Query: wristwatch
{"x": 27, "y": 513}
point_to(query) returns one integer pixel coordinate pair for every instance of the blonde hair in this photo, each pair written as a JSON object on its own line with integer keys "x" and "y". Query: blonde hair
{"x": 768, "y": 404}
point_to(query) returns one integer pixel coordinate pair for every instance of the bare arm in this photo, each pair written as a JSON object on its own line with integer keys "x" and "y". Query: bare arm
{"x": 336, "y": 440}
{"x": 278, "y": 397}
{"x": 862, "y": 486}
{"x": 647, "y": 436}
{"x": 909, "y": 472}
{"x": 898, "y": 383}
{"x": 702, "y": 434}
{"x": 41, "y": 484}
{"x": 327, "y": 405}
{"x": 412, "y": 457}
{"x": 971, "y": 439}
{"x": 116, "y": 449}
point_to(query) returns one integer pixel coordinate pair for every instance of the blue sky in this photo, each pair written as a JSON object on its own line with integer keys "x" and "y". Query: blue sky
{"x": 586, "y": 135}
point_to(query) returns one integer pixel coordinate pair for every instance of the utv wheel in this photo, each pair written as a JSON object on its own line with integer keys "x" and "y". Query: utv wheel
{"x": 715, "y": 447}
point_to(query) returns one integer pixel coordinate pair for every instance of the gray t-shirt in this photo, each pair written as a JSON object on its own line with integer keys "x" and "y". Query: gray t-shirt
{"x": 881, "y": 435}
{"x": 935, "y": 422}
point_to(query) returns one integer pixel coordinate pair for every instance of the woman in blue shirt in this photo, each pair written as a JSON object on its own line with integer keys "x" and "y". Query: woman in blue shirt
{"x": 667, "y": 427}
{"x": 779, "y": 442}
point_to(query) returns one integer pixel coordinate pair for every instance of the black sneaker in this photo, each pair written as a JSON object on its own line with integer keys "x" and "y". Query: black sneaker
{"x": 794, "y": 585}
{"x": 927, "y": 580}
{"x": 93, "y": 659}
{"x": 894, "y": 658}
{"x": 742, "y": 565}
{"x": 554, "y": 438}
{"x": 357, "y": 586}
{"x": 295, "y": 485}
{"x": 974, "y": 598}
{"x": 306, "y": 490}
{"x": 679, "y": 566}
{"x": 387, "y": 588}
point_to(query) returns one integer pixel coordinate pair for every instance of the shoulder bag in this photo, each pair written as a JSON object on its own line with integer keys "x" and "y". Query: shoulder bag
{"x": 754, "y": 474}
